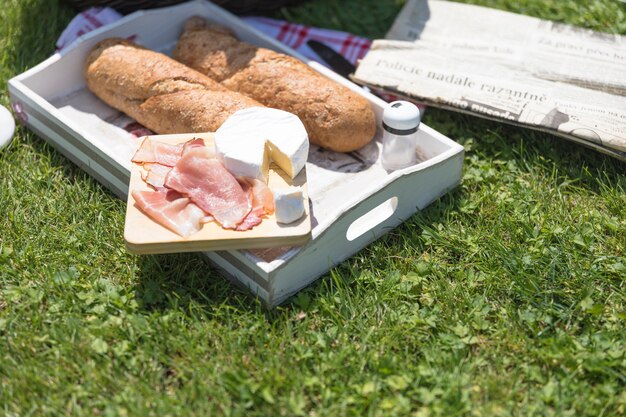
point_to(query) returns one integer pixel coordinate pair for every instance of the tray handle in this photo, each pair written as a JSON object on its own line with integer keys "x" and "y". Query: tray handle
{"x": 372, "y": 218}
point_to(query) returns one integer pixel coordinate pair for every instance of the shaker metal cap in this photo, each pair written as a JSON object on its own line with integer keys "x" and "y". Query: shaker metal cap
{"x": 401, "y": 117}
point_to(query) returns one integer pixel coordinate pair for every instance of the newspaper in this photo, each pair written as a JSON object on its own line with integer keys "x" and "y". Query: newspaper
{"x": 517, "y": 69}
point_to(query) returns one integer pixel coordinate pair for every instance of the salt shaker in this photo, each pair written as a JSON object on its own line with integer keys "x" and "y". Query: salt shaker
{"x": 400, "y": 122}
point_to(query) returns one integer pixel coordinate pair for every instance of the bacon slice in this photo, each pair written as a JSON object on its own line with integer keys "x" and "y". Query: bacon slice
{"x": 171, "y": 210}
{"x": 210, "y": 186}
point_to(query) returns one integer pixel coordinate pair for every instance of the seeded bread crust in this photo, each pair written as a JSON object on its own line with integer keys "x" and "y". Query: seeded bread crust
{"x": 160, "y": 93}
{"x": 335, "y": 117}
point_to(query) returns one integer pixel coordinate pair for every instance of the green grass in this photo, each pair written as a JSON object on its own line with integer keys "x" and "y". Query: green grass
{"x": 505, "y": 297}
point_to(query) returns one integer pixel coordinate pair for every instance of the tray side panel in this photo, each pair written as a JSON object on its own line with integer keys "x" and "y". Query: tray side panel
{"x": 413, "y": 192}
{"x": 91, "y": 160}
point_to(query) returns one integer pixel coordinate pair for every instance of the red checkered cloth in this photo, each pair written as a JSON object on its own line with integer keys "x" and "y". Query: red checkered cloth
{"x": 85, "y": 22}
{"x": 296, "y": 37}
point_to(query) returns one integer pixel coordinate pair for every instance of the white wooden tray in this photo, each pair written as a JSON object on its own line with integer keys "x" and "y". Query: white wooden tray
{"x": 353, "y": 199}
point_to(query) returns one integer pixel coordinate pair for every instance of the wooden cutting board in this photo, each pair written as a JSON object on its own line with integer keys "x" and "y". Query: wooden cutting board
{"x": 145, "y": 236}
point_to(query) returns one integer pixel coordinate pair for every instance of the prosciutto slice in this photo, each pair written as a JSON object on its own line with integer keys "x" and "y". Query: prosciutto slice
{"x": 193, "y": 143}
{"x": 158, "y": 152}
{"x": 193, "y": 188}
{"x": 261, "y": 200}
{"x": 162, "y": 153}
{"x": 154, "y": 174}
{"x": 262, "y": 196}
{"x": 210, "y": 186}
{"x": 171, "y": 210}
{"x": 252, "y": 219}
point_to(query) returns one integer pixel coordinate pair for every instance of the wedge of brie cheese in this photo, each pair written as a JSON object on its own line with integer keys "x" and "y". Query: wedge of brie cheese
{"x": 250, "y": 138}
{"x": 288, "y": 204}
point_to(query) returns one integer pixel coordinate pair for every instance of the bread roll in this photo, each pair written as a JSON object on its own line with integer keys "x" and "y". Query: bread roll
{"x": 160, "y": 93}
{"x": 335, "y": 117}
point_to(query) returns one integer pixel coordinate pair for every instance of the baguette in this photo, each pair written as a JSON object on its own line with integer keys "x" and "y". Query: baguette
{"x": 160, "y": 93}
{"x": 334, "y": 116}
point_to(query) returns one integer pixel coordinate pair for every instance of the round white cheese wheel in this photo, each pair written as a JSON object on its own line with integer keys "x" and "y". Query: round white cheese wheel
{"x": 250, "y": 138}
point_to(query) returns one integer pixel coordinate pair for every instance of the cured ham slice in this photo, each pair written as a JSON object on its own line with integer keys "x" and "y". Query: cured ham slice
{"x": 157, "y": 152}
{"x": 193, "y": 188}
{"x": 193, "y": 143}
{"x": 251, "y": 220}
{"x": 207, "y": 219}
{"x": 210, "y": 186}
{"x": 261, "y": 199}
{"x": 171, "y": 210}
{"x": 162, "y": 153}
{"x": 154, "y": 174}
{"x": 261, "y": 196}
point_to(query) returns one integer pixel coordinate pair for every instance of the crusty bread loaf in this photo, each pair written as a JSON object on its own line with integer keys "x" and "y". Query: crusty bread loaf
{"x": 160, "y": 93}
{"x": 335, "y": 117}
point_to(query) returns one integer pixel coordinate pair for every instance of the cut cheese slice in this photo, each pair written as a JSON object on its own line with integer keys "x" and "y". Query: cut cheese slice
{"x": 288, "y": 204}
{"x": 250, "y": 138}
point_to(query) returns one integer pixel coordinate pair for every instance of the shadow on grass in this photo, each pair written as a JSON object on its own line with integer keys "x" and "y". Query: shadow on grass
{"x": 188, "y": 281}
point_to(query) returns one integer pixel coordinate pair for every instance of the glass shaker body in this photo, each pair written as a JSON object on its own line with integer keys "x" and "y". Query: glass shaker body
{"x": 398, "y": 150}
{"x": 401, "y": 120}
